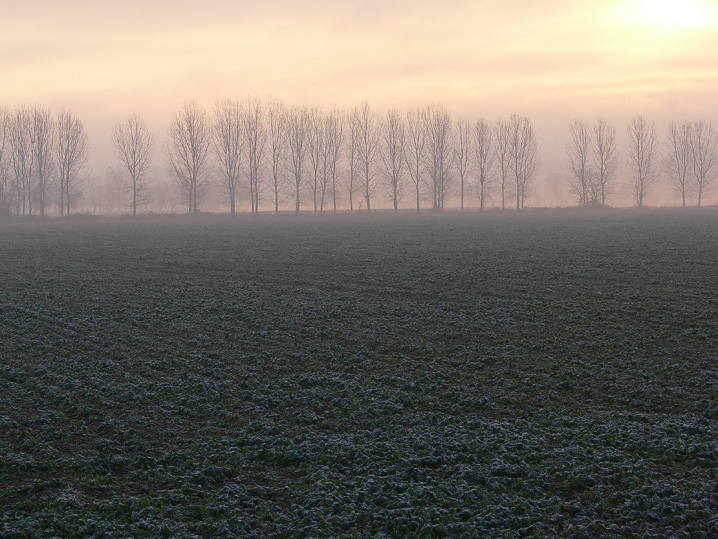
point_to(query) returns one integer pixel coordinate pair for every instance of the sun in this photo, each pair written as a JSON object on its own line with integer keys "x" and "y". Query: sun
{"x": 678, "y": 14}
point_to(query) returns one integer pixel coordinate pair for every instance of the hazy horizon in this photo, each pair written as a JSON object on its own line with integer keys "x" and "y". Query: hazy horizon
{"x": 551, "y": 60}
{"x": 200, "y": 337}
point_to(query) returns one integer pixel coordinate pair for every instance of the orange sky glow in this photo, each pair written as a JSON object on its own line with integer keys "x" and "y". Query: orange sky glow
{"x": 553, "y": 60}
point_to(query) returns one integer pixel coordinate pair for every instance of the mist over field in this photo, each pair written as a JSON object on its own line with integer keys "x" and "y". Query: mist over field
{"x": 271, "y": 157}
{"x": 553, "y": 63}
{"x": 533, "y": 374}
{"x": 397, "y": 269}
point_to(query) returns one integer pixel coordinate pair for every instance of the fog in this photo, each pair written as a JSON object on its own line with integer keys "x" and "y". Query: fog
{"x": 550, "y": 183}
{"x": 364, "y": 361}
{"x": 551, "y": 121}
{"x": 552, "y": 61}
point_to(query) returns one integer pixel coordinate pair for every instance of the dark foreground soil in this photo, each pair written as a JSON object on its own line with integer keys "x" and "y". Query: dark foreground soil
{"x": 546, "y": 375}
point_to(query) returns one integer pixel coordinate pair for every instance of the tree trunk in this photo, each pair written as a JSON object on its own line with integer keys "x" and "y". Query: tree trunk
{"x": 366, "y": 178}
{"x": 518, "y": 197}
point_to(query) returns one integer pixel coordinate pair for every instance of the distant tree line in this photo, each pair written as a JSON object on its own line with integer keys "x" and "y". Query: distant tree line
{"x": 315, "y": 157}
{"x": 688, "y": 159}
{"x": 42, "y": 159}
{"x": 278, "y": 155}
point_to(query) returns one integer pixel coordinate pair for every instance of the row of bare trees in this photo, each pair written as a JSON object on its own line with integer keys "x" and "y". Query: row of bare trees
{"x": 251, "y": 146}
{"x": 689, "y": 161}
{"x": 592, "y": 161}
{"x": 311, "y": 156}
{"x": 42, "y": 159}
{"x": 315, "y": 159}
{"x": 273, "y": 148}
{"x": 691, "y": 158}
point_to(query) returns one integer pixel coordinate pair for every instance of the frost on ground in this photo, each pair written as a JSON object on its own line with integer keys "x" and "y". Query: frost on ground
{"x": 452, "y": 376}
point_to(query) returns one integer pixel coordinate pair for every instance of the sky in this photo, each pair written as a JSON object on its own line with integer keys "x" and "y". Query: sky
{"x": 553, "y": 60}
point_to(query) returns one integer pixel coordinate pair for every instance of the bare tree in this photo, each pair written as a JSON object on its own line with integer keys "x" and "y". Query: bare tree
{"x": 484, "y": 155}
{"x": 605, "y": 161}
{"x": 228, "y": 145}
{"x": 108, "y": 194}
{"x": 96, "y": 195}
{"x": 578, "y": 149}
{"x": 315, "y": 141}
{"x": 330, "y": 148}
{"x": 439, "y": 152}
{"x": 334, "y": 132}
{"x": 678, "y": 161}
{"x": 276, "y": 125}
{"x": 416, "y": 127}
{"x": 296, "y": 133}
{"x": 43, "y": 126}
{"x": 502, "y": 152}
{"x": 256, "y": 133}
{"x": 325, "y": 165}
{"x": 114, "y": 190}
{"x": 22, "y": 143}
{"x": 393, "y": 140}
{"x": 523, "y": 153}
{"x": 642, "y": 156}
{"x": 190, "y": 138}
{"x": 353, "y": 157}
{"x": 5, "y": 187}
{"x": 368, "y": 149}
{"x": 462, "y": 153}
{"x": 134, "y": 147}
{"x": 72, "y": 155}
{"x": 704, "y": 150}
{"x": 167, "y": 196}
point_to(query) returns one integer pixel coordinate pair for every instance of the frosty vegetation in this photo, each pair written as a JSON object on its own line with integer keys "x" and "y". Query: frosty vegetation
{"x": 542, "y": 376}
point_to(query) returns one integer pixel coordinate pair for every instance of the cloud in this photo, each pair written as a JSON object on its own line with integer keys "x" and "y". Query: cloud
{"x": 551, "y": 59}
{"x": 332, "y": 48}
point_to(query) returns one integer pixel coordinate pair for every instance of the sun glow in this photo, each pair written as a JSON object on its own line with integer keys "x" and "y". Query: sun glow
{"x": 669, "y": 13}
